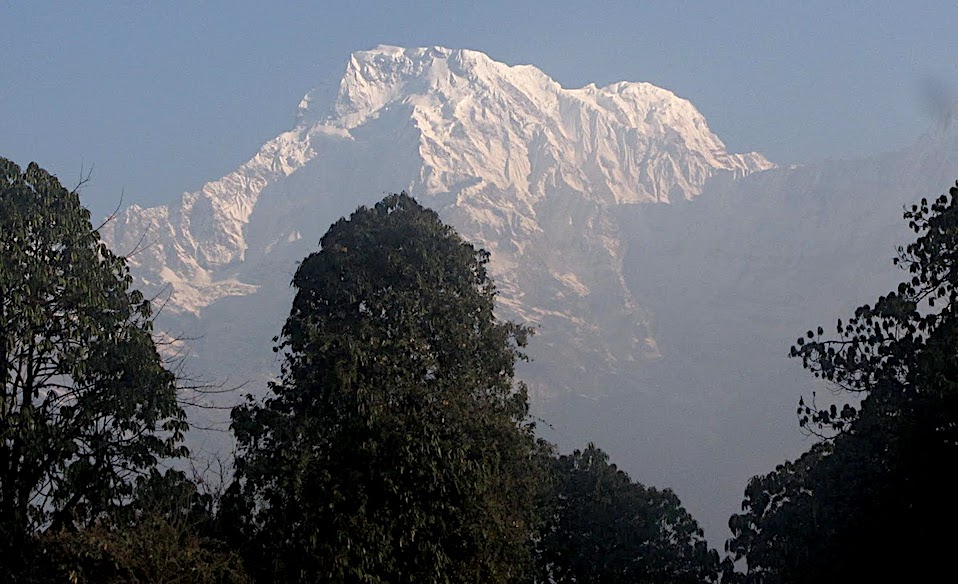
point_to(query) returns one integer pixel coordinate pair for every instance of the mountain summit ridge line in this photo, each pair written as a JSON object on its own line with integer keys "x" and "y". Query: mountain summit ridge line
{"x": 493, "y": 140}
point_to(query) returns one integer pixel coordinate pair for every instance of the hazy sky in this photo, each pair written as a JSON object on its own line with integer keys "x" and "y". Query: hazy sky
{"x": 163, "y": 96}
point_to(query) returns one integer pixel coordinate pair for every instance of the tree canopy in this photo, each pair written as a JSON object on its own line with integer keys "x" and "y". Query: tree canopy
{"x": 86, "y": 404}
{"x": 601, "y": 527}
{"x": 166, "y": 535}
{"x": 874, "y": 487}
{"x": 396, "y": 447}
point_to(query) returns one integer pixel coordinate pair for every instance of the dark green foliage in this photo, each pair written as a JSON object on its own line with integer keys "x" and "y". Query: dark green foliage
{"x": 86, "y": 405}
{"x": 876, "y": 486}
{"x": 600, "y": 527}
{"x": 396, "y": 447}
{"x": 151, "y": 550}
{"x": 162, "y": 536}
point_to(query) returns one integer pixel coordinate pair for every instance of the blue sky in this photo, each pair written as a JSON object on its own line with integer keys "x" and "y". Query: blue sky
{"x": 160, "y": 97}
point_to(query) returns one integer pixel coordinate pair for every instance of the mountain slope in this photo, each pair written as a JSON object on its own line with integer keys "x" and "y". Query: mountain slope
{"x": 532, "y": 172}
{"x": 732, "y": 279}
{"x": 663, "y": 328}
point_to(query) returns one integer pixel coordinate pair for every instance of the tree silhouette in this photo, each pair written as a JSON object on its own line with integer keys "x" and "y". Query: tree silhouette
{"x": 86, "y": 405}
{"x": 396, "y": 447}
{"x": 874, "y": 488}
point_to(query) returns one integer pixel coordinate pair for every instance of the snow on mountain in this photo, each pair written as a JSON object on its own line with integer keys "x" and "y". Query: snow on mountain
{"x": 543, "y": 177}
{"x": 663, "y": 328}
{"x": 531, "y": 171}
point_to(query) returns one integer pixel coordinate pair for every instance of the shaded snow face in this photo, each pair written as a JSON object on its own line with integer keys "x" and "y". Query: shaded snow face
{"x": 486, "y": 143}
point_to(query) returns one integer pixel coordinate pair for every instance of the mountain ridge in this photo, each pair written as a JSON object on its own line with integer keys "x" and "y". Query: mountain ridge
{"x": 493, "y": 140}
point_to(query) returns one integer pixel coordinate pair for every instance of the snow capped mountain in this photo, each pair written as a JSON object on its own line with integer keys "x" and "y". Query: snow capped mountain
{"x": 543, "y": 177}
{"x": 666, "y": 276}
{"x": 529, "y": 170}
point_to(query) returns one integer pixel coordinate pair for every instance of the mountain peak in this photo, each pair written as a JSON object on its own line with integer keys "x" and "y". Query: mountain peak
{"x": 491, "y": 142}
{"x": 374, "y": 78}
{"x": 456, "y": 88}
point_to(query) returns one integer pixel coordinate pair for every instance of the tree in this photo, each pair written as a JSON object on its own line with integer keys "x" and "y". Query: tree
{"x": 86, "y": 405}
{"x": 601, "y": 527}
{"x": 874, "y": 487}
{"x": 162, "y": 536}
{"x": 396, "y": 447}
